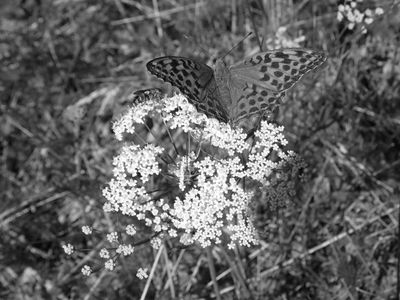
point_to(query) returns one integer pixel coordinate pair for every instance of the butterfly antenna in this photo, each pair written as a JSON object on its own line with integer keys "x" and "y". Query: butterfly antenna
{"x": 250, "y": 33}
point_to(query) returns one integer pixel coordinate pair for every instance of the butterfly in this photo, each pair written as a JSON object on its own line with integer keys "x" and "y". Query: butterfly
{"x": 235, "y": 94}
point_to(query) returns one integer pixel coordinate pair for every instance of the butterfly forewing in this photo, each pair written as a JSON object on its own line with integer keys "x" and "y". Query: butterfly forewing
{"x": 194, "y": 79}
{"x": 258, "y": 83}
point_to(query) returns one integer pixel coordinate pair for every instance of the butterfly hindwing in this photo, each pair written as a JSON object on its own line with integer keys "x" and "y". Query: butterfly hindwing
{"x": 258, "y": 83}
{"x": 253, "y": 99}
{"x": 251, "y": 102}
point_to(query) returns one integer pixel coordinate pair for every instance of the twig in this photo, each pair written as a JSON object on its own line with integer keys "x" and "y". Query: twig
{"x": 153, "y": 269}
{"x": 212, "y": 272}
{"x": 161, "y": 14}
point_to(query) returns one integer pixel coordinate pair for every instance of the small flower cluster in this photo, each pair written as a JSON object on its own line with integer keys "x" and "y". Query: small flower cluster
{"x": 68, "y": 249}
{"x": 216, "y": 200}
{"x": 109, "y": 255}
{"x": 350, "y": 12}
{"x": 86, "y": 270}
{"x": 282, "y": 39}
{"x": 142, "y": 273}
{"x": 125, "y": 188}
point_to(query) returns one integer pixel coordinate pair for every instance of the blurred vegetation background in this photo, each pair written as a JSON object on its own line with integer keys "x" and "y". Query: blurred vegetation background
{"x": 67, "y": 69}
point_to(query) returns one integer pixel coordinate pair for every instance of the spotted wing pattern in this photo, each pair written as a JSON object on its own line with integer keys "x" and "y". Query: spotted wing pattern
{"x": 194, "y": 79}
{"x": 259, "y": 82}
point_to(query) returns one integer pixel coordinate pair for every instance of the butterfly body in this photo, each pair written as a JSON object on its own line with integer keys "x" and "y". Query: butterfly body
{"x": 235, "y": 94}
{"x": 223, "y": 78}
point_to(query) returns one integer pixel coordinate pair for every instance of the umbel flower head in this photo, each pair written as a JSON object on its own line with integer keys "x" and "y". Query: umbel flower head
{"x": 192, "y": 178}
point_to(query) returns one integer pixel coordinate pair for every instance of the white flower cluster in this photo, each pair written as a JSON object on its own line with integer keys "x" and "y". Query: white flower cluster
{"x": 130, "y": 230}
{"x": 112, "y": 237}
{"x": 156, "y": 243}
{"x": 350, "y": 12}
{"x": 87, "y": 230}
{"x": 215, "y": 200}
{"x": 142, "y": 273}
{"x": 222, "y": 136}
{"x": 282, "y": 39}
{"x": 201, "y": 196}
{"x": 104, "y": 253}
{"x": 180, "y": 114}
{"x": 211, "y": 198}
{"x": 137, "y": 115}
{"x": 86, "y": 270}
{"x": 68, "y": 249}
{"x": 125, "y": 250}
{"x": 109, "y": 265}
{"x": 125, "y": 188}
